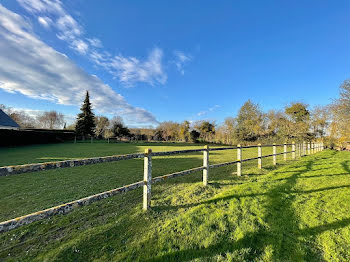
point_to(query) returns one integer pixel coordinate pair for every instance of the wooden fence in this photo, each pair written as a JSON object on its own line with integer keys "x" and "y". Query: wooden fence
{"x": 296, "y": 150}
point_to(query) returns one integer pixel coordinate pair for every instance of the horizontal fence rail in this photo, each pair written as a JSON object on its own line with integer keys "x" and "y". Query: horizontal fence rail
{"x": 297, "y": 149}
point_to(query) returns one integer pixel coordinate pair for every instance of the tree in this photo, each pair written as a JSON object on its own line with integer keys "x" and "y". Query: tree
{"x": 102, "y": 123}
{"x": 274, "y": 120}
{"x": 296, "y": 126}
{"x": 194, "y": 135}
{"x": 339, "y": 131}
{"x": 86, "y": 119}
{"x": 250, "y": 122}
{"x": 297, "y": 112}
{"x": 118, "y": 128}
{"x": 20, "y": 117}
{"x": 158, "y": 135}
{"x": 170, "y": 130}
{"x": 184, "y": 132}
{"x": 320, "y": 120}
{"x": 228, "y": 129}
{"x": 50, "y": 120}
{"x": 206, "y": 130}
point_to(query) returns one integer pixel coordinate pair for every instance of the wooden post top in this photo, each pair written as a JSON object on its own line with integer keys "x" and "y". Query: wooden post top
{"x": 148, "y": 151}
{"x": 206, "y": 147}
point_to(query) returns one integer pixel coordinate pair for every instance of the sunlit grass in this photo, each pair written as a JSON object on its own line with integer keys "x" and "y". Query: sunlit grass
{"x": 298, "y": 212}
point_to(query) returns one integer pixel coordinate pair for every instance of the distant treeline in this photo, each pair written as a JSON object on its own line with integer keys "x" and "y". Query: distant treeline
{"x": 295, "y": 122}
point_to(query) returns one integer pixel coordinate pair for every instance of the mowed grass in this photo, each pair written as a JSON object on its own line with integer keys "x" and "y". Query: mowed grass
{"x": 26, "y": 193}
{"x": 297, "y": 212}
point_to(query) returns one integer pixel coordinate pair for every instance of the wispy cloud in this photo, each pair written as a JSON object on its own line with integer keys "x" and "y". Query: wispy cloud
{"x": 45, "y": 21}
{"x": 180, "y": 60}
{"x": 129, "y": 70}
{"x": 210, "y": 109}
{"x": 36, "y": 70}
{"x": 95, "y": 42}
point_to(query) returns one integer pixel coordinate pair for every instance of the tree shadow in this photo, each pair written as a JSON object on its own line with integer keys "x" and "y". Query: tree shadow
{"x": 251, "y": 239}
{"x": 281, "y": 232}
{"x": 345, "y": 166}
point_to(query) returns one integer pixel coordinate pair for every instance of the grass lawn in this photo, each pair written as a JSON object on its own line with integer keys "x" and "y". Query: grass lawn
{"x": 297, "y": 212}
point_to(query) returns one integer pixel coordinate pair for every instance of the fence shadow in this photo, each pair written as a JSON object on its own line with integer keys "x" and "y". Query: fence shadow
{"x": 345, "y": 166}
{"x": 281, "y": 233}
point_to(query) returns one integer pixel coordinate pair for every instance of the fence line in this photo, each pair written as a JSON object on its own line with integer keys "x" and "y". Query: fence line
{"x": 148, "y": 180}
{"x": 19, "y": 169}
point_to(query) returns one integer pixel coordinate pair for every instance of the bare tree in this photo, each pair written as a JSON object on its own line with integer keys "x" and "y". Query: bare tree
{"x": 102, "y": 123}
{"x": 50, "y": 120}
{"x": 20, "y": 117}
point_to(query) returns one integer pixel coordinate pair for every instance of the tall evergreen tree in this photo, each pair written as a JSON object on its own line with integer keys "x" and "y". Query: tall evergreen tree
{"x": 86, "y": 119}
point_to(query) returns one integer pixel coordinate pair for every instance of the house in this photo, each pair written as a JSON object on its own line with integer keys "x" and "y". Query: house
{"x": 6, "y": 122}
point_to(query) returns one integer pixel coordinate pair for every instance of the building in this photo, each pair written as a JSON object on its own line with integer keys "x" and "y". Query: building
{"x": 6, "y": 122}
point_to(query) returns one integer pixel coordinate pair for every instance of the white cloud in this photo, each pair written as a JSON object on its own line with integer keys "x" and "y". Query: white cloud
{"x": 36, "y": 70}
{"x": 45, "y": 21}
{"x": 180, "y": 60}
{"x": 43, "y": 6}
{"x": 210, "y": 109}
{"x": 129, "y": 70}
{"x": 95, "y": 42}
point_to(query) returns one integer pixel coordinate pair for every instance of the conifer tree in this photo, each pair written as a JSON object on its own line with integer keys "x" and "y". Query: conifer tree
{"x": 86, "y": 119}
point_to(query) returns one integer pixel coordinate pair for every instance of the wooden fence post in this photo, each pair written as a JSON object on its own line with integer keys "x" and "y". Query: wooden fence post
{"x": 92, "y": 140}
{"x": 293, "y": 150}
{"x": 75, "y": 139}
{"x": 299, "y": 150}
{"x": 274, "y": 152}
{"x": 239, "y": 159}
{"x": 147, "y": 177}
{"x": 259, "y": 156}
{"x": 308, "y": 148}
{"x": 205, "y": 165}
{"x": 285, "y": 151}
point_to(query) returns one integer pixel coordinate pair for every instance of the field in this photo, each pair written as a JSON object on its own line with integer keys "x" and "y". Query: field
{"x": 297, "y": 212}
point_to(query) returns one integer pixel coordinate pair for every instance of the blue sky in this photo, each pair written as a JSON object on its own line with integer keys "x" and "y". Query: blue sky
{"x": 152, "y": 61}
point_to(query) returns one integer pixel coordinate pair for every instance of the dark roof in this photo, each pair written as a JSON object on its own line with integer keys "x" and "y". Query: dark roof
{"x": 5, "y": 120}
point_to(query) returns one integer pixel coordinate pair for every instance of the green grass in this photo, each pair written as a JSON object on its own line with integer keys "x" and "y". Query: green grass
{"x": 297, "y": 212}
{"x": 26, "y": 193}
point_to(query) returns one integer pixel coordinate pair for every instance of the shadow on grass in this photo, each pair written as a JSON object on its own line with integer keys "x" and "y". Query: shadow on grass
{"x": 281, "y": 233}
{"x": 238, "y": 196}
{"x": 317, "y": 176}
{"x": 345, "y": 166}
